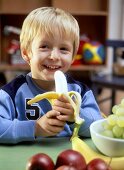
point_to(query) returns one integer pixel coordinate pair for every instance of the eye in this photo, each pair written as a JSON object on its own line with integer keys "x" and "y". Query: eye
{"x": 44, "y": 46}
{"x": 64, "y": 49}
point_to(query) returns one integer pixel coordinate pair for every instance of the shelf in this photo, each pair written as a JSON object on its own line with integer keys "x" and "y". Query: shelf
{"x": 21, "y": 6}
{"x": 8, "y": 67}
{"x": 87, "y": 67}
{"x": 90, "y": 13}
{"x": 82, "y": 6}
{"x": 92, "y": 16}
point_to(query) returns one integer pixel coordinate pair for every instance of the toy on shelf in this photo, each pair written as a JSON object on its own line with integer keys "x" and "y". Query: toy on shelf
{"x": 13, "y": 49}
{"x": 15, "y": 53}
{"x": 93, "y": 53}
{"x": 11, "y": 29}
{"x": 89, "y": 52}
{"x": 78, "y": 58}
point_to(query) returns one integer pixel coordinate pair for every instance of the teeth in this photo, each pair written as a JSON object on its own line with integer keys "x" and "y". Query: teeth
{"x": 52, "y": 67}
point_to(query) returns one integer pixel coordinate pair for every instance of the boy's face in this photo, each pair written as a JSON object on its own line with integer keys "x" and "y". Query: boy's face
{"x": 49, "y": 54}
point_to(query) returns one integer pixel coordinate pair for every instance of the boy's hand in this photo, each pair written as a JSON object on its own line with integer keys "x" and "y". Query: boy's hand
{"x": 49, "y": 125}
{"x": 66, "y": 110}
{"x": 53, "y": 121}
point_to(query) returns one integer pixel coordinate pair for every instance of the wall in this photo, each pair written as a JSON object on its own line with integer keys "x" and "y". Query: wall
{"x": 115, "y": 19}
{"x": 115, "y": 26}
{"x": 123, "y": 19}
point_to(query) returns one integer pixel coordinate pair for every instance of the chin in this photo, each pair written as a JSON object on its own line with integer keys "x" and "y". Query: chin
{"x": 49, "y": 78}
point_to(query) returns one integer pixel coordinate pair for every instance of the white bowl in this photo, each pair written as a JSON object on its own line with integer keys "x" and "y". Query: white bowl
{"x": 112, "y": 147}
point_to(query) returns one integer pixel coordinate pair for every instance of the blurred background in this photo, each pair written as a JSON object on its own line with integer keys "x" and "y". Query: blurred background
{"x": 101, "y": 50}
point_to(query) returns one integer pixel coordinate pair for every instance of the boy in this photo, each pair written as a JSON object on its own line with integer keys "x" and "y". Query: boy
{"x": 49, "y": 41}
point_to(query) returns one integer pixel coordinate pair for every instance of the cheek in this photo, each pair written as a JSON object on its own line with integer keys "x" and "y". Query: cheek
{"x": 34, "y": 62}
{"x": 36, "y": 57}
{"x": 68, "y": 59}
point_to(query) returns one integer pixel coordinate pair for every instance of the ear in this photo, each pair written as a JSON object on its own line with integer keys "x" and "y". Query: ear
{"x": 25, "y": 56}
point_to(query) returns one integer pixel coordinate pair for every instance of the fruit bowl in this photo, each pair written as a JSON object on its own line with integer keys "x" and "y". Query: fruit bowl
{"x": 113, "y": 147}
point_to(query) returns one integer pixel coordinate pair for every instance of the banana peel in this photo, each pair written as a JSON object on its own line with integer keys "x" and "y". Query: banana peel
{"x": 116, "y": 163}
{"x": 51, "y": 96}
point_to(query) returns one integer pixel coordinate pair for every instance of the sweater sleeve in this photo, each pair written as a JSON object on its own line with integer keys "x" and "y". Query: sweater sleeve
{"x": 90, "y": 112}
{"x": 13, "y": 130}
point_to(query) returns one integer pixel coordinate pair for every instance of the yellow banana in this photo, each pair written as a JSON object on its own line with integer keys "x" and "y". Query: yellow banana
{"x": 61, "y": 88}
{"x": 50, "y": 96}
{"x": 116, "y": 163}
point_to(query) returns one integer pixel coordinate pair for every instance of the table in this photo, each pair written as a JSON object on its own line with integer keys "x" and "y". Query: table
{"x": 15, "y": 157}
{"x": 110, "y": 81}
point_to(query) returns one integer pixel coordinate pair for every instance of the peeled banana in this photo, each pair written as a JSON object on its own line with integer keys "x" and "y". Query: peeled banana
{"x": 62, "y": 88}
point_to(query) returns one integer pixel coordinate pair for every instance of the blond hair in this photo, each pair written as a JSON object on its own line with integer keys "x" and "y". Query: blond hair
{"x": 44, "y": 20}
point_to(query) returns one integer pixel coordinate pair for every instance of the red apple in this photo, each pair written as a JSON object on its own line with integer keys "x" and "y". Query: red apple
{"x": 40, "y": 161}
{"x": 66, "y": 167}
{"x": 98, "y": 164}
{"x": 71, "y": 157}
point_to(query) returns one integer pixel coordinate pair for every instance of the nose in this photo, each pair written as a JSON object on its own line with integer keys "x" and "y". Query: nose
{"x": 55, "y": 54}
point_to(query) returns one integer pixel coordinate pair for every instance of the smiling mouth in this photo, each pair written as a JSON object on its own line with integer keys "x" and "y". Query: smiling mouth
{"x": 52, "y": 67}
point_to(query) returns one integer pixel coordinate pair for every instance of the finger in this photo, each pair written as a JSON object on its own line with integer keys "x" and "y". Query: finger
{"x": 63, "y": 98}
{"x": 56, "y": 122}
{"x": 63, "y": 117}
{"x": 62, "y": 104}
{"x": 55, "y": 129}
{"x": 63, "y": 110}
{"x": 50, "y": 130}
{"x": 52, "y": 113}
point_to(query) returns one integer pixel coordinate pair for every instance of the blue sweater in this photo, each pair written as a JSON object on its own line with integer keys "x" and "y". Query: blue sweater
{"x": 17, "y": 119}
